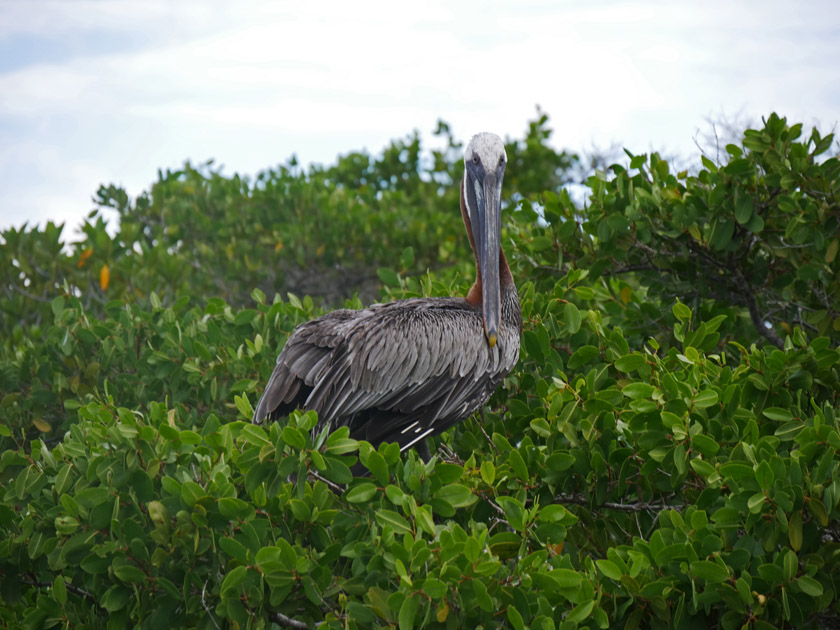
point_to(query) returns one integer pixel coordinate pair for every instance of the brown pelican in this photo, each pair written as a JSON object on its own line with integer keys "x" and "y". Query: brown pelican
{"x": 403, "y": 371}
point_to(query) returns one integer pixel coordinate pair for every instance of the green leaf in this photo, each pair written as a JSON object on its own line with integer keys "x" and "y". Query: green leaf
{"x": 407, "y": 258}
{"x": 737, "y": 471}
{"x": 567, "y": 578}
{"x": 63, "y": 479}
{"x": 301, "y": 510}
{"x": 115, "y": 598}
{"x": 336, "y": 445}
{"x": 705, "y": 445}
{"x": 456, "y": 495}
{"x": 778, "y": 414}
{"x": 809, "y": 586}
{"x": 191, "y": 492}
{"x": 744, "y": 209}
{"x": 518, "y": 465}
{"x": 243, "y": 405}
{"x": 408, "y": 613}
{"x": 388, "y": 277}
{"x": 294, "y": 437}
{"x": 394, "y": 520}
{"x": 376, "y": 464}
{"x": 255, "y": 435}
{"x": 571, "y": 317}
{"x": 681, "y": 312}
{"x": 818, "y": 510}
{"x": 424, "y": 520}
{"x": 702, "y": 468}
{"x": 60, "y": 590}
{"x": 630, "y": 362}
{"x": 635, "y": 391}
{"x": 514, "y": 512}
{"x": 795, "y": 530}
{"x": 707, "y": 398}
{"x": 488, "y": 472}
{"x": 234, "y": 549}
{"x": 129, "y": 573}
{"x": 361, "y": 494}
{"x": 91, "y": 497}
{"x": 581, "y": 612}
{"x": 582, "y": 356}
{"x": 57, "y": 306}
{"x": 434, "y": 588}
{"x": 233, "y": 579}
{"x": 515, "y": 618}
{"x": 610, "y": 569}
{"x": 709, "y": 571}
{"x": 756, "y": 501}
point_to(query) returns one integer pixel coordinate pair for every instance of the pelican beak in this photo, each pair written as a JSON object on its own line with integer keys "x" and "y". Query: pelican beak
{"x": 486, "y": 227}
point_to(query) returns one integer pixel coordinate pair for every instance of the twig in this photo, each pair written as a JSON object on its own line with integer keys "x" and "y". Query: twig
{"x": 204, "y": 605}
{"x": 641, "y": 506}
{"x": 447, "y": 455}
{"x": 29, "y": 296}
{"x": 758, "y": 322}
{"x": 481, "y": 426}
{"x": 73, "y": 589}
{"x": 283, "y": 620}
{"x": 333, "y": 486}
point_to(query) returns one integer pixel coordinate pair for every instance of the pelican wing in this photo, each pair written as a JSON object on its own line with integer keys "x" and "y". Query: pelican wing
{"x": 396, "y": 372}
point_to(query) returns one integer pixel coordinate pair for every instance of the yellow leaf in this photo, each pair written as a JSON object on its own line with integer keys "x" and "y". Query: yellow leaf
{"x": 625, "y": 294}
{"x": 320, "y": 250}
{"x": 87, "y": 253}
{"x": 43, "y": 427}
{"x": 170, "y": 418}
{"x": 104, "y": 277}
{"x": 442, "y": 612}
{"x": 279, "y": 246}
{"x": 695, "y": 233}
{"x": 831, "y": 252}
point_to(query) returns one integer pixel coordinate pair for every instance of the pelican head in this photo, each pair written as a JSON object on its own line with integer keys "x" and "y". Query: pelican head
{"x": 484, "y": 169}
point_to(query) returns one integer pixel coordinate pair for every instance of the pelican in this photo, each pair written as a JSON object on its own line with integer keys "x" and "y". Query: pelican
{"x": 410, "y": 369}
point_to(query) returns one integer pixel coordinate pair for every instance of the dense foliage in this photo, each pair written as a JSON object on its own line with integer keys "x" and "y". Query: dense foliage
{"x": 664, "y": 455}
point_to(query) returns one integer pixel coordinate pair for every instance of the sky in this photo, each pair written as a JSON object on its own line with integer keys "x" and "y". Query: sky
{"x": 99, "y": 91}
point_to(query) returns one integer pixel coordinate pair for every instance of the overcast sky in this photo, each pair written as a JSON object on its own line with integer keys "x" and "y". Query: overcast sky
{"x": 95, "y": 92}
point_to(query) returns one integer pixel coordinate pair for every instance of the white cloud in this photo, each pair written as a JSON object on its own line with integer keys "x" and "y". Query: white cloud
{"x": 251, "y": 83}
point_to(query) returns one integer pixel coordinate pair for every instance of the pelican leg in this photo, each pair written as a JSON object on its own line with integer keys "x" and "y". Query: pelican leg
{"x": 422, "y": 449}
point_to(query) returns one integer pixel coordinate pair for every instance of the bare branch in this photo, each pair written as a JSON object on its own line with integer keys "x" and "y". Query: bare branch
{"x": 758, "y": 321}
{"x": 73, "y": 589}
{"x": 333, "y": 486}
{"x": 640, "y": 506}
{"x": 281, "y": 619}
{"x": 206, "y": 608}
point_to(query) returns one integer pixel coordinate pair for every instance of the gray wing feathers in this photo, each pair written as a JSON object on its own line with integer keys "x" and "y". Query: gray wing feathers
{"x": 421, "y": 354}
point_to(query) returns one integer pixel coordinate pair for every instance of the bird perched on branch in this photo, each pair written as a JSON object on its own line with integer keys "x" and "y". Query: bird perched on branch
{"x": 407, "y": 370}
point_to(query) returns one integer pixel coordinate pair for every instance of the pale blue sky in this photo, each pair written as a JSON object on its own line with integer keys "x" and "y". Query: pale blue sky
{"x": 99, "y": 91}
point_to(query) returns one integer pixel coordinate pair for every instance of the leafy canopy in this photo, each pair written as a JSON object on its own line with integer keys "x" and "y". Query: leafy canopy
{"x": 664, "y": 454}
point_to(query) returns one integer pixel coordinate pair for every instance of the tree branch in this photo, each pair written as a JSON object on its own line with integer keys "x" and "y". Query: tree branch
{"x": 73, "y": 589}
{"x": 640, "y": 506}
{"x": 281, "y": 619}
{"x": 768, "y": 333}
{"x": 333, "y": 486}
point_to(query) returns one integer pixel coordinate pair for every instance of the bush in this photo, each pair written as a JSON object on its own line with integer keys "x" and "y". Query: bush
{"x": 651, "y": 461}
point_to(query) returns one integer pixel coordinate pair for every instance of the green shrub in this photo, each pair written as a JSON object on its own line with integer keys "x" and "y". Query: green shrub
{"x": 649, "y": 463}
